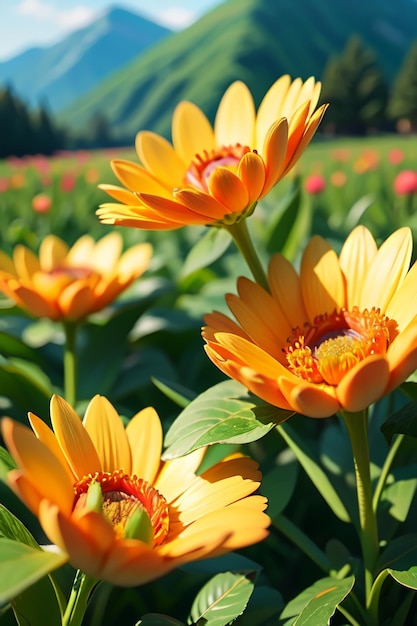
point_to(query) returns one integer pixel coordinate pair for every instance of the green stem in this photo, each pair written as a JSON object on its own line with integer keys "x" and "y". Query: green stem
{"x": 70, "y": 363}
{"x": 240, "y": 234}
{"x": 357, "y": 426}
{"x": 304, "y": 543}
{"x": 77, "y": 603}
{"x": 373, "y": 600}
{"x": 386, "y": 470}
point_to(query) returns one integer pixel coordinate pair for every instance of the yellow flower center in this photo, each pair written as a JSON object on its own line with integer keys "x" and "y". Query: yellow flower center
{"x": 122, "y": 498}
{"x": 201, "y": 168}
{"x": 326, "y": 350}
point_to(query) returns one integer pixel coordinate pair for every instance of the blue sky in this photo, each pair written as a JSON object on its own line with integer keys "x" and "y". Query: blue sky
{"x": 26, "y": 23}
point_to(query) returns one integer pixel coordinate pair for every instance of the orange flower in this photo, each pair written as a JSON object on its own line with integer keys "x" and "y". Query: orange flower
{"x": 339, "y": 336}
{"x": 71, "y": 283}
{"x": 215, "y": 175}
{"x": 102, "y": 494}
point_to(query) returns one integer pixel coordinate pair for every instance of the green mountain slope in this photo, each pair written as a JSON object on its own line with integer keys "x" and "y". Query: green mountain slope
{"x": 252, "y": 40}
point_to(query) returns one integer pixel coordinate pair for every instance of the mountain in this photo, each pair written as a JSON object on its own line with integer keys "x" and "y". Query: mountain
{"x": 252, "y": 40}
{"x": 58, "y": 74}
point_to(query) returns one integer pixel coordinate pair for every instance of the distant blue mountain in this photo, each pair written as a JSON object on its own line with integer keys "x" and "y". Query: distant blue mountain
{"x": 55, "y": 76}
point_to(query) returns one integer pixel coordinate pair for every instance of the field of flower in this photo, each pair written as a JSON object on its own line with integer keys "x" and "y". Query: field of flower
{"x": 144, "y": 349}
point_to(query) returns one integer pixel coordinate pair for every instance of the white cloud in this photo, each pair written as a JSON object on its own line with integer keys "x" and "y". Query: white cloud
{"x": 176, "y": 17}
{"x": 67, "y": 19}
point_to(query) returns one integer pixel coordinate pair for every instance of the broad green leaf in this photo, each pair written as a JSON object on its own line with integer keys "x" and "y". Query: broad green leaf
{"x": 403, "y": 422}
{"x": 315, "y": 605}
{"x": 23, "y": 565}
{"x": 231, "y": 562}
{"x": 11, "y": 346}
{"x": 12, "y": 528}
{"x": 400, "y": 551}
{"x": 7, "y": 463}
{"x": 35, "y": 603}
{"x": 208, "y": 249}
{"x": 156, "y": 619}
{"x": 264, "y": 607}
{"x": 278, "y": 486}
{"x": 138, "y": 370}
{"x": 177, "y": 393}
{"x": 221, "y": 600}
{"x": 400, "y": 493}
{"x": 23, "y": 390}
{"x": 224, "y": 413}
{"x": 314, "y": 471}
{"x": 407, "y": 578}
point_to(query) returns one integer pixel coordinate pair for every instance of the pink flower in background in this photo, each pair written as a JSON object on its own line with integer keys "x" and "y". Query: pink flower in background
{"x": 338, "y": 178}
{"x": 68, "y": 182}
{"x": 405, "y": 183}
{"x": 41, "y": 203}
{"x": 4, "y": 184}
{"x": 315, "y": 184}
{"x": 395, "y": 156}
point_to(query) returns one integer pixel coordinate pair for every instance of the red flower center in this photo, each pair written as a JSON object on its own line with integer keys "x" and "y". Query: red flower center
{"x": 201, "y": 168}
{"x": 122, "y": 497}
{"x": 72, "y": 273}
{"x": 326, "y": 350}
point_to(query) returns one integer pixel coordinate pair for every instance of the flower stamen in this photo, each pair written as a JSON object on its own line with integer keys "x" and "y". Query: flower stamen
{"x": 203, "y": 165}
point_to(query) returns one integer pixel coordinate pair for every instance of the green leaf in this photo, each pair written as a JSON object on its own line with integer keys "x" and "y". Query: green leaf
{"x": 315, "y": 605}
{"x": 208, "y": 249}
{"x": 314, "y": 471}
{"x": 12, "y": 528}
{"x": 24, "y": 389}
{"x": 263, "y": 608}
{"x": 293, "y": 223}
{"x": 156, "y": 619}
{"x": 138, "y": 371}
{"x": 400, "y": 493}
{"x": 221, "y": 600}
{"x": 401, "y": 551}
{"x": 407, "y": 578}
{"x": 224, "y": 413}
{"x": 278, "y": 486}
{"x": 11, "y": 346}
{"x": 7, "y": 463}
{"x": 23, "y": 565}
{"x": 177, "y": 393}
{"x": 403, "y": 422}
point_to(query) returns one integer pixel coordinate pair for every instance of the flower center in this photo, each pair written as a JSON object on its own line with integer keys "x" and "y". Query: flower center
{"x": 123, "y": 498}
{"x": 72, "y": 273}
{"x": 201, "y": 168}
{"x": 326, "y": 350}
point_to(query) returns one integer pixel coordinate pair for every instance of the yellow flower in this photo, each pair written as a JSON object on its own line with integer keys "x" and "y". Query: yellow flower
{"x": 340, "y": 335}
{"x": 66, "y": 283}
{"x": 103, "y": 495}
{"x": 215, "y": 175}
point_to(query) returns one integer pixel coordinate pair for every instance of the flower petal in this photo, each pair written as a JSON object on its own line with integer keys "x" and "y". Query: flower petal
{"x": 144, "y": 435}
{"x": 308, "y": 399}
{"x": 25, "y": 262}
{"x": 364, "y": 384}
{"x": 251, "y": 171}
{"x": 192, "y": 133}
{"x": 402, "y": 356}
{"x": 136, "y": 178}
{"x": 355, "y": 258}
{"x": 52, "y": 253}
{"x": 274, "y": 153}
{"x": 403, "y": 306}
{"x": 160, "y": 159}
{"x": 106, "y": 253}
{"x": 176, "y": 475}
{"x": 228, "y": 189}
{"x": 270, "y": 108}
{"x": 206, "y": 207}
{"x": 235, "y": 118}
{"x": 285, "y": 286}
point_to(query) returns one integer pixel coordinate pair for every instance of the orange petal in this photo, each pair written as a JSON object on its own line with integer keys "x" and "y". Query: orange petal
{"x": 73, "y": 438}
{"x": 270, "y": 108}
{"x": 119, "y": 193}
{"x": 136, "y": 178}
{"x": 47, "y": 436}
{"x": 251, "y": 172}
{"x": 171, "y": 210}
{"x": 228, "y": 189}
{"x": 192, "y": 133}
{"x": 40, "y": 466}
{"x": 206, "y": 207}
{"x": 402, "y": 356}
{"x": 364, "y": 384}
{"x": 25, "y": 490}
{"x": 308, "y": 135}
{"x": 402, "y": 307}
{"x": 135, "y": 216}
{"x": 130, "y": 563}
{"x": 251, "y": 355}
{"x": 25, "y": 262}
{"x": 218, "y": 322}
{"x": 77, "y": 301}
{"x": 308, "y": 399}
{"x": 144, "y": 436}
{"x": 35, "y": 303}
{"x": 107, "y": 433}
{"x": 274, "y": 153}
{"x": 285, "y": 288}
{"x": 6, "y": 264}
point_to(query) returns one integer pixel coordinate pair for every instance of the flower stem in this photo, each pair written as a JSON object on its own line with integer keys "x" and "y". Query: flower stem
{"x": 70, "y": 363}
{"x": 240, "y": 235}
{"x": 77, "y": 603}
{"x": 357, "y": 426}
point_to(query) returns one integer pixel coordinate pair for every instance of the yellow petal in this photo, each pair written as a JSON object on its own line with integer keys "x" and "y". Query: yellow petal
{"x": 176, "y": 475}
{"x": 47, "y": 436}
{"x": 322, "y": 281}
{"x": 107, "y": 433}
{"x": 6, "y": 264}
{"x": 387, "y": 271}
{"x": 160, "y": 159}
{"x": 235, "y": 118}
{"x": 251, "y": 355}
{"x": 308, "y": 135}
{"x": 402, "y": 356}
{"x": 355, "y": 258}
{"x": 106, "y": 253}
{"x": 136, "y": 178}
{"x": 81, "y": 252}
{"x": 144, "y": 436}
{"x": 290, "y": 103}
{"x": 192, "y": 133}
{"x": 39, "y": 464}
{"x": 135, "y": 217}
{"x": 119, "y": 193}
{"x": 228, "y": 189}
{"x": 270, "y": 108}
{"x": 73, "y": 438}
{"x": 403, "y": 305}
{"x": 134, "y": 261}
{"x": 25, "y": 262}
{"x": 52, "y": 253}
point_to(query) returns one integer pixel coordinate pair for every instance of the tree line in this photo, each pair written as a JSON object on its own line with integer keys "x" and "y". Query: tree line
{"x": 360, "y": 97}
